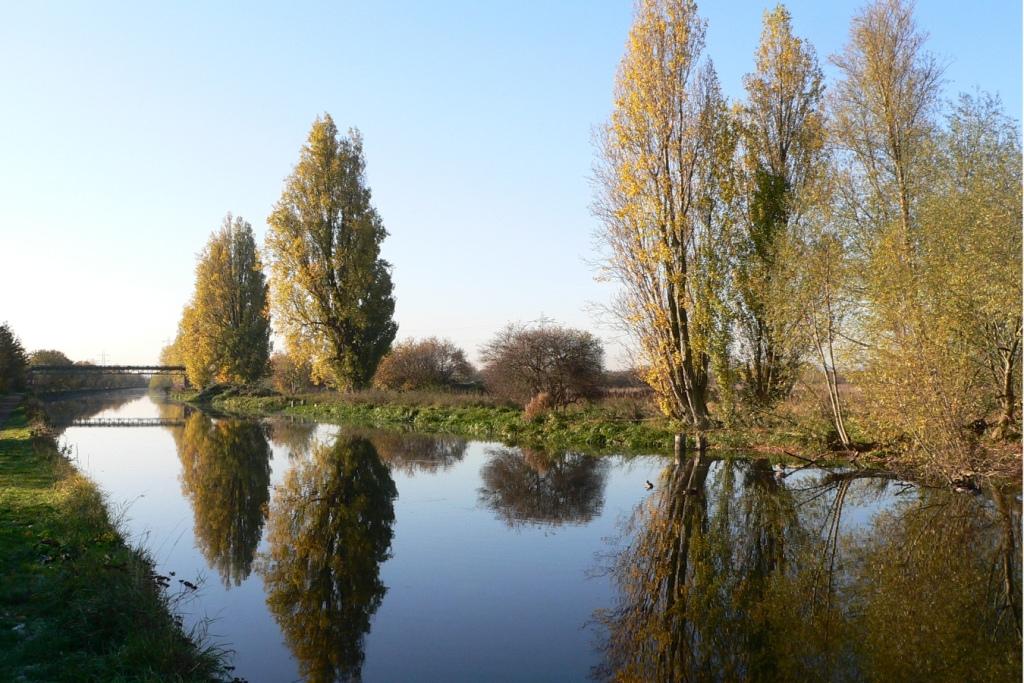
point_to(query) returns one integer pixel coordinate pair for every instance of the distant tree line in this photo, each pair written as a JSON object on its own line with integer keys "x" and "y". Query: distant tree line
{"x": 16, "y": 363}
{"x": 47, "y": 382}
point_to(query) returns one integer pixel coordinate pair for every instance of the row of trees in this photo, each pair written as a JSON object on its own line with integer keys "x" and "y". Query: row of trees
{"x": 856, "y": 229}
{"x": 329, "y": 290}
{"x": 330, "y": 294}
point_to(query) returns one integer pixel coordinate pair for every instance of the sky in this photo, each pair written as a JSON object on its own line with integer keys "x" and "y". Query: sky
{"x": 128, "y": 130}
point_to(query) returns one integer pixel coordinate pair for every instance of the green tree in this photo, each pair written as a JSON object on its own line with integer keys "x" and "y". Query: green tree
{"x": 955, "y": 374}
{"x": 782, "y": 133}
{"x": 665, "y": 177}
{"x": 13, "y": 361}
{"x": 224, "y": 332}
{"x": 826, "y": 306}
{"x": 45, "y": 382}
{"x": 882, "y": 126}
{"x": 49, "y": 357}
{"x": 883, "y": 110}
{"x": 933, "y": 209}
{"x": 976, "y": 283}
{"x": 332, "y": 292}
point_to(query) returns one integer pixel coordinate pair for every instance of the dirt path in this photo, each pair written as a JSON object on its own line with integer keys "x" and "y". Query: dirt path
{"x": 7, "y": 404}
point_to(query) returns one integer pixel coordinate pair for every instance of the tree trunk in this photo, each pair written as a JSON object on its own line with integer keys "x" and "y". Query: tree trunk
{"x": 1009, "y": 399}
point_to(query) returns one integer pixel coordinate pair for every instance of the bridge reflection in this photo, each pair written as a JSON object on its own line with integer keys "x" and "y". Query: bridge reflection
{"x": 128, "y": 422}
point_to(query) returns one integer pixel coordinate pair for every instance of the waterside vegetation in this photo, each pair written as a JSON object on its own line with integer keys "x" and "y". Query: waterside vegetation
{"x": 629, "y": 422}
{"x": 846, "y": 250}
{"x": 76, "y": 601}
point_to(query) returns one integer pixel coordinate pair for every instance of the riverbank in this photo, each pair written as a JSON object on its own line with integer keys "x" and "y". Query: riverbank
{"x": 799, "y": 435}
{"x": 609, "y": 426}
{"x": 76, "y": 603}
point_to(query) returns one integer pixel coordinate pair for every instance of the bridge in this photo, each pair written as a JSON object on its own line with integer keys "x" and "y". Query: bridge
{"x": 107, "y": 369}
{"x": 128, "y": 422}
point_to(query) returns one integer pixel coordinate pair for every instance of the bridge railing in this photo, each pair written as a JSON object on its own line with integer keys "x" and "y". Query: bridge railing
{"x": 107, "y": 369}
{"x": 127, "y": 422}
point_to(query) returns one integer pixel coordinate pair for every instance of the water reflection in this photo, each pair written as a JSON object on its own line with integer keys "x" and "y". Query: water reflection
{"x": 726, "y": 571}
{"x": 936, "y": 591}
{"x": 410, "y": 453}
{"x": 64, "y": 410}
{"x": 730, "y": 573}
{"x": 295, "y": 436}
{"x": 225, "y": 473}
{"x": 330, "y": 528}
{"x": 528, "y": 486}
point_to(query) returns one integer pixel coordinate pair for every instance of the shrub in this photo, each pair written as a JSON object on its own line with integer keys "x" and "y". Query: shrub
{"x": 428, "y": 364}
{"x": 538, "y": 406}
{"x": 522, "y": 362}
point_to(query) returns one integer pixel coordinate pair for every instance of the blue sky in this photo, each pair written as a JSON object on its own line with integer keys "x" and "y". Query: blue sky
{"x": 128, "y": 131}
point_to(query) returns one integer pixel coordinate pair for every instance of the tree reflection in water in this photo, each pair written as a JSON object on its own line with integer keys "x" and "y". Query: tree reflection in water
{"x": 295, "y": 436}
{"x": 225, "y": 473}
{"x": 330, "y": 528}
{"x": 410, "y": 453}
{"x": 749, "y": 577}
{"x": 524, "y": 486}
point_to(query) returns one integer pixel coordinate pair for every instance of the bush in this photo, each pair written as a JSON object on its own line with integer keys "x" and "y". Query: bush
{"x": 428, "y": 364}
{"x": 522, "y": 362}
{"x": 537, "y": 407}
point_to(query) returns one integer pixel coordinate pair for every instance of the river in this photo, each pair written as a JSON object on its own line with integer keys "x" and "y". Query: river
{"x": 324, "y": 553}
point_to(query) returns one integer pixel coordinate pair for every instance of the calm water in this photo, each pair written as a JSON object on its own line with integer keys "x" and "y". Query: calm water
{"x": 326, "y": 553}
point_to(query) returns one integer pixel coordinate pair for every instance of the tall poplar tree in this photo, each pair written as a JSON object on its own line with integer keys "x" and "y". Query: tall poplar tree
{"x": 332, "y": 292}
{"x": 782, "y": 131}
{"x": 665, "y": 180}
{"x": 224, "y": 332}
{"x": 883, "y": 111}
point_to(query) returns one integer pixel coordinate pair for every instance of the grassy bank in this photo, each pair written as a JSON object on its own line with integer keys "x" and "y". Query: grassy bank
{"x": 587, "y": 429}
{"x": 610, "y": 425}
{"x": 76, "y": 603}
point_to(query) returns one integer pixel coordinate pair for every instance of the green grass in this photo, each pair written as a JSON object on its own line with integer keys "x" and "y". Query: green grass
{"x": 76, "y": 603}
{"x": 611, "y": 425}
{"x": 597, "y": 428}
